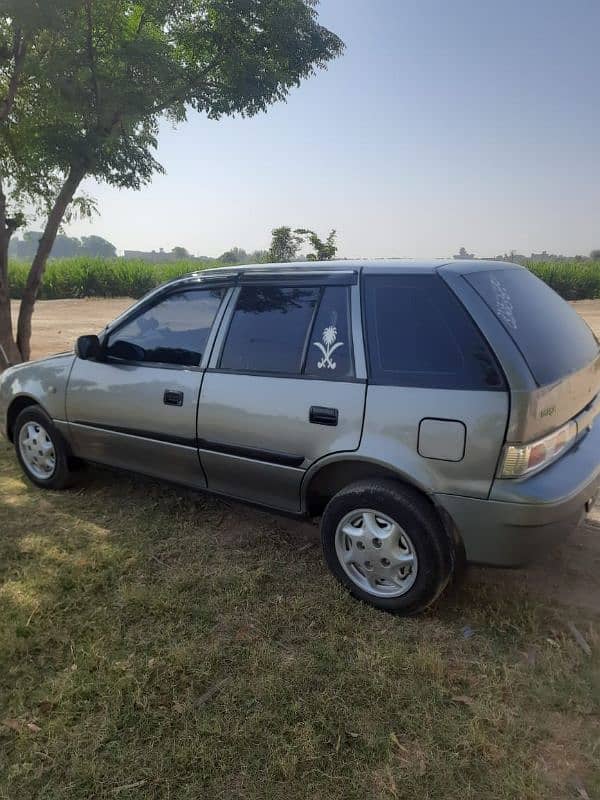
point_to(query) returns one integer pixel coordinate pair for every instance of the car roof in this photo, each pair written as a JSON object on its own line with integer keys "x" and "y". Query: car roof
{"x": 376, "y": 266}
{"x": 224, "y": 276}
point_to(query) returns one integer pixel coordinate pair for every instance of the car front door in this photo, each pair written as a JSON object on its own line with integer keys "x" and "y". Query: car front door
{"x": 135, "y": 408}
{"x": 281, "y": 389}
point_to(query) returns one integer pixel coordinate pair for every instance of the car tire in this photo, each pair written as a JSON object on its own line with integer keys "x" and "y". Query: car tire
{"x": 41, "y": 450}
{"x": 386, "y": 544}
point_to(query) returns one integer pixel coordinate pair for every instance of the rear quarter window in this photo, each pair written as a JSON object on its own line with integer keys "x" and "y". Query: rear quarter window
{"x": 552, "y": 337}
{"x": 419, "y": 334}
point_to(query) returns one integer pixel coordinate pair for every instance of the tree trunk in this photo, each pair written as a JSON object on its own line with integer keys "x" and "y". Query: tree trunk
{"x": 9, "y": 353}
{"x": 38, "y": 266}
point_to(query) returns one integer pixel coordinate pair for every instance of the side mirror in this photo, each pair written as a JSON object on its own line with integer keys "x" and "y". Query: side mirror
{"x": 127, "y": 351}
{"x": 88, "y": 347}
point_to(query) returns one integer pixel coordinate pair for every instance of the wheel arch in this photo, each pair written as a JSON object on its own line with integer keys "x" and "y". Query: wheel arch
{"x": 325, "y": 480}
{"x": 18, "y": 404}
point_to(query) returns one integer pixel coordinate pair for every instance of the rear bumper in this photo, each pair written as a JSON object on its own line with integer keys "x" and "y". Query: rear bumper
{"x": 522, "y": 520}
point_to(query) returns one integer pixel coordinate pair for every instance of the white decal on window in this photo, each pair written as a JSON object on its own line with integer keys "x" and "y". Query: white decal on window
{"x": 328, "y": 347}
{"x": 504, "y": 306}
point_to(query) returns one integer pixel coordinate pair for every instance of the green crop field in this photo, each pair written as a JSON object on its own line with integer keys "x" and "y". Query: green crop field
{"x": 98, "y": 277}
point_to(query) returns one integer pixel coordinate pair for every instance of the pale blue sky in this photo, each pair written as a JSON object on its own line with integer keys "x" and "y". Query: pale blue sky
{"x": 445, "y": 123}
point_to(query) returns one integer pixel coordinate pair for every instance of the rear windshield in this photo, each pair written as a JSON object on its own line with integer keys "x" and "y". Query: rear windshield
{"x": 552, "y": 337}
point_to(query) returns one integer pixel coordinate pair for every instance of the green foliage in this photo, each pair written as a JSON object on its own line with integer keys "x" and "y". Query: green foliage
{"x": 284, "y": 245}
{"x": 237, "y": 255}
{"x": 96, "y": 76}
{"x": 97, "y": 277}
{"x": 323, "y": 250}
{"x": 572, "y": 280}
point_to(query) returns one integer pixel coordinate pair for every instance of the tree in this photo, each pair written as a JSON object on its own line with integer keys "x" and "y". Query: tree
{"x": 284, "y": 245}
{"x": 236, "y": 255}
{"x": 595, "y": 255}
{"x": 323, "y": 250}
{"x": 84, "y": 83}
{"x": 63, "y": 247}
{"x": 180, "y": 253}
{"x": 98, "y": 247}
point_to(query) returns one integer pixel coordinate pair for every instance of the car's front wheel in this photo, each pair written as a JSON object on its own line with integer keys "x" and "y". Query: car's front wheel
{"x": 386, "y": 544}
{"x": 41, "y": 451}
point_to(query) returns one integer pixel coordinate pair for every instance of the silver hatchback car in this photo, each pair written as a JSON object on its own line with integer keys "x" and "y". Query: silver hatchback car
{"x": 429, "y": 412}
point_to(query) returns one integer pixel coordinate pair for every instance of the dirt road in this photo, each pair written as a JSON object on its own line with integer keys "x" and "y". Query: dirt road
{"x": 569, "y": 575}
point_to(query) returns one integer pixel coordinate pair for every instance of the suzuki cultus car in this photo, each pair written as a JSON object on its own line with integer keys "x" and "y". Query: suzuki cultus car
{"x": 427, "y": 412}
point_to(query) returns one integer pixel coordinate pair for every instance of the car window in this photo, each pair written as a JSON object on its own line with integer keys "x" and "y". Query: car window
{"x": 330, "y": 349}
{"x": 418, "y": 334}
{"x": 269, "y": 329}
{"x": 174, "y": 331}
{"x": 553, "y": 338}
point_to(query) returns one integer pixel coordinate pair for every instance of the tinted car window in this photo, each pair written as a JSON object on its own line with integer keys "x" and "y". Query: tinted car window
{"x": 552, "y": 337}
{"x": 269, "y": 329}
{"x": 174, "y": 331}
{"x": 419, "y": 334}
{"x": 330, "y": 349}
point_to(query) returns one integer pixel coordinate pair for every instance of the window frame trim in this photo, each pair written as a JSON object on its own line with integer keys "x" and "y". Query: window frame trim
{"x": 152, "y": 302}
{"x": 371, "y": 381}
{"x": 214, "y": 364}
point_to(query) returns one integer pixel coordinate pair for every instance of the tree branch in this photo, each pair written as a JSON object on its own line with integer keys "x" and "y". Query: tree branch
{"x": 19, "y": 50}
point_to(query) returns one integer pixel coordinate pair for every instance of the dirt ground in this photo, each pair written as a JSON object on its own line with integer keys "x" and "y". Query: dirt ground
{"x": 57, "y": 323}
{"x": 569, "y": 575}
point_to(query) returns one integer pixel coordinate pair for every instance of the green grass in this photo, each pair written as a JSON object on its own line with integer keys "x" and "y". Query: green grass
{"x": 171, "y": 645}
{"x": 96, "y": 277}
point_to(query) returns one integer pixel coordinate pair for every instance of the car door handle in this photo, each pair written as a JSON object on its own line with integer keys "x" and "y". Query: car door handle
{"x": 172, "y": 397}
{"x": 320, "y": 415}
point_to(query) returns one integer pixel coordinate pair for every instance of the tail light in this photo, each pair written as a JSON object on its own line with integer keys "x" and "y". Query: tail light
{"x": 519, "y": 460}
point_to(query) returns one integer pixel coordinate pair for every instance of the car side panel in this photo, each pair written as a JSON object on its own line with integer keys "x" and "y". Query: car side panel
{"x": 391, "y": 432}
{"x": 45, "y": 382}
{"x": 271, "y": 415}
{"x": 117, "y": 416}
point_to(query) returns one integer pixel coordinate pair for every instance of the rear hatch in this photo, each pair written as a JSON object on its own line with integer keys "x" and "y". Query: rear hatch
{"x": 558, "y": 346}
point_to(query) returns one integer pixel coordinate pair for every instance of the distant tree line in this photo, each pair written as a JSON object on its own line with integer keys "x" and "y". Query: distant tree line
{"x": 64, "y": 246}
{"x": 286, "y": 245}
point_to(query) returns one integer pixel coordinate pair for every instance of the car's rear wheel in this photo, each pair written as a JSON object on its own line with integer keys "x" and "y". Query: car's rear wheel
{"x": 41, "y": 450}
{"x": 386, "y": 544}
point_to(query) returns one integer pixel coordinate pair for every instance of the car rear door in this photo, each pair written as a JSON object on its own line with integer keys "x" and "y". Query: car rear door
{"x": 281, "y": 390}
{"x": 136, "y": 407}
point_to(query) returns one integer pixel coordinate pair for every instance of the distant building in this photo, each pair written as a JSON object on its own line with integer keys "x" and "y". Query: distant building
{"x": 462, "y": 254}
